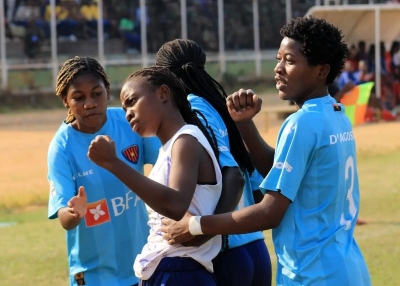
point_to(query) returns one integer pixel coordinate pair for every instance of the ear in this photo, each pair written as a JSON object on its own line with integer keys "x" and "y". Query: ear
{"x": 64, "y": 100}
{"x": 108, "y": 92}
{"x": 323, "y": 71}
{"x": 164, "y": 93}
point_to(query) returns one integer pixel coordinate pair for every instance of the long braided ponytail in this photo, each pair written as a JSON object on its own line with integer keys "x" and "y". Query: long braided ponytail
{"x": 186, "y": 59}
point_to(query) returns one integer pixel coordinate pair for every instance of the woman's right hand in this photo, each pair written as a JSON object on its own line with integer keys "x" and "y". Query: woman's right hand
{"x": 77, "y": 206}
{"x": 243, "y": 105}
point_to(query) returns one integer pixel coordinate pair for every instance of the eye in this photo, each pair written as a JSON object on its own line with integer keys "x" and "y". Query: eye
{"x": 79, "y": 98}
{"x": 98, "y": 93}
{"x": 278, "y": 59}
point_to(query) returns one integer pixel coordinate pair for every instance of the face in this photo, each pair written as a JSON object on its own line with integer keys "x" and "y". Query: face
{"x": 143, "y": 106}
{"x": 87, "y": 98}
{"x": 295, "y": 78}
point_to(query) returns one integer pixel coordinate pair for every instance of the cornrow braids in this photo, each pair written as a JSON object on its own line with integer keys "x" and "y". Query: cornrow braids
{"x": 73, "y": 68}
{"x": 158, "y": 76}
{"x": 186, "y": 59}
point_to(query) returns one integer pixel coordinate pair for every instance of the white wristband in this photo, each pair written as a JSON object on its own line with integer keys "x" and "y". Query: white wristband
{"x": 195, "y": 226}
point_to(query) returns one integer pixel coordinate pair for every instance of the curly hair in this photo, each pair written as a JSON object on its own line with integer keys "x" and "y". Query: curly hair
{"x": 322, "y": 43}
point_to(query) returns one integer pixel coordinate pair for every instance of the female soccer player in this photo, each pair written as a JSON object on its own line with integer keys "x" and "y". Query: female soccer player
{"x": 312, "y": 191}
{"x": 244, "y": 259}
{"x": 186, "y": 176}
{"x": 104, "y": 218}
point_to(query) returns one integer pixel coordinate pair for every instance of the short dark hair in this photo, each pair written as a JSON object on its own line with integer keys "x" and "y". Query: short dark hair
{"x": 322, "y": 43}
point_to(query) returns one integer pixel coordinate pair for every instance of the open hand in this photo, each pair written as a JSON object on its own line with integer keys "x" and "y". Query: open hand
{"x": 243, "y": 105}
{"x": 102, "y": 151}
{"x": 77, "y": 206}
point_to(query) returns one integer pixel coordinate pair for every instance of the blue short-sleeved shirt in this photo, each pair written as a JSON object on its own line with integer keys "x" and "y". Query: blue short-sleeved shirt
{"x": 226, "y": 159}
{"x": 315, "y": 167}
{"x": 104, "y": 245}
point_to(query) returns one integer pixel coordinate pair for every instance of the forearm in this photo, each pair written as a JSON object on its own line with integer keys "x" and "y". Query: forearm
{"x": 67, "y": 220}
{"x": 246, "y": 220}
{"x": 261, "y": 154}
{"x": 162, "y": 199}
{"x": 232, "y": 189}
{"x": 265, "y": 215}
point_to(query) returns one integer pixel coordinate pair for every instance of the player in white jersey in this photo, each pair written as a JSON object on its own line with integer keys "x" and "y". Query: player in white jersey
{"x": 244, "y": 259}
{"x": 186, "y": 176}
{"x": 312, "y": 192}
{"x": 103, "y": 219}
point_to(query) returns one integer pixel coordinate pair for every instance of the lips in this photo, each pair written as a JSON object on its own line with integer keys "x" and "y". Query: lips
{"x": 279, "y": 80}
{"x": 92, "y": 114}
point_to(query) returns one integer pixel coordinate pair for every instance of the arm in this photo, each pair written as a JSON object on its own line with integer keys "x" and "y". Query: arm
{"x": 243, "y": 106}
{"x": 71, "y": 216}
{"x": 267, "y": 214}
{"x": 261, "y": 154}
{"x": 172, "y": 201}
{"x": 64, "y": 203}
{"x": 232, "y": 188}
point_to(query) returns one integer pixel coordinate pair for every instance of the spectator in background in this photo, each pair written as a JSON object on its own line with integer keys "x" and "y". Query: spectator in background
{"x": 362, "y": 54}
{"x": 130, "y": 34}
{"x": 27, "y": 11}
{"x": 67, "y": 18}
{"x": 348, "y": 75}
{"x": 32, "y": 40}
{"x": 90, "y": 13}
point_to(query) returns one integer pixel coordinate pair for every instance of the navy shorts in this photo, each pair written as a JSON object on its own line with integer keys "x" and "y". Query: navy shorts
{"x": 246, "y": 265}
{"x": 180, "y": 271}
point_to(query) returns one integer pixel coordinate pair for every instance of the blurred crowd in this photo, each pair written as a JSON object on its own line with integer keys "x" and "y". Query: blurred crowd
{"x": 360, "y": 68}
{"x": 29, "y": 21}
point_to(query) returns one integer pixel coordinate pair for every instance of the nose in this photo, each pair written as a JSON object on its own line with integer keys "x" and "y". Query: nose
{"x": 129, "y": 115}
{"x": 90, "y": 103}
{"x": 279, "y": 67}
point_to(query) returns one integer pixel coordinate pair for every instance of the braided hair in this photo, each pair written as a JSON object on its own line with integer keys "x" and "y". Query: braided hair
{"x": 158, "y": 76}
{"x": 73, "y": 68}
{"x": 186, "y": 59}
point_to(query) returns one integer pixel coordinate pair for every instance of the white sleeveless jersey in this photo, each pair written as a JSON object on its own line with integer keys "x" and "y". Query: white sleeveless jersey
{"x": 204, "y": 201}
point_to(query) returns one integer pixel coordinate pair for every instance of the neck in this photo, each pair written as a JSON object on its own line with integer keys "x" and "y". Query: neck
{"x": 316, "y": 93}
{"x": 169, "y": 126}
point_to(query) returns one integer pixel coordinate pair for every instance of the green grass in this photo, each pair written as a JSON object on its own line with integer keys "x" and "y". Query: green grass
{"x": 33, "y": 252}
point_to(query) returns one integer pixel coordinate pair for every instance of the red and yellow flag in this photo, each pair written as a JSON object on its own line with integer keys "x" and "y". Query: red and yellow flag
{"x": 356, "y": 102}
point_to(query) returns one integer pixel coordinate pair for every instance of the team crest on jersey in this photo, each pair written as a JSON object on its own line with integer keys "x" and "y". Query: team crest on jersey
{"x": 131, "y": 153}
{"x": 97, "y": 213}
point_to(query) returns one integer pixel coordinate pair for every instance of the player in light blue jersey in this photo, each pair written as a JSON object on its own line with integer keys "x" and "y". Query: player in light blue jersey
{"x": 244, "y": 259}
{"x": 105, "y": 221}
{"x": 312, "y": 192}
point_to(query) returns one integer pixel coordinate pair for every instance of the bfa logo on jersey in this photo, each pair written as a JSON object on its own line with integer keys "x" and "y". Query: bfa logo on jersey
{"x": 131, "y": 153}
{"x": 97, "y": 213}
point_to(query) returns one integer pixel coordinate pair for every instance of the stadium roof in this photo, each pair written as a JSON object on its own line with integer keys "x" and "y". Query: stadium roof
{"x": 358, "y": 21}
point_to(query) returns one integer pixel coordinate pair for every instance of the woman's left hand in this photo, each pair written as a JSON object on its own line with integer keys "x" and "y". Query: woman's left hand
{"x": 102, "y": 151}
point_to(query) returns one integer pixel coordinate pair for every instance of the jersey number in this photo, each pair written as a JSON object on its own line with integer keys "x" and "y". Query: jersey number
{"x": 349, "y": 174}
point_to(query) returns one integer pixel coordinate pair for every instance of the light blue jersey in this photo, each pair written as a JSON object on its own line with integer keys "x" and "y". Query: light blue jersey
{"x": 226, "y": 160}
{"x": 103, "y": 247}
{"x": 315, "y": 167}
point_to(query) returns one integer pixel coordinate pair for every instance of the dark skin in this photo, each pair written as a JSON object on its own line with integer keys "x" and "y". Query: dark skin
{"x": 87, "y": 97}
{"x": 296, "y": 81}
{"x": 150, "y": 111}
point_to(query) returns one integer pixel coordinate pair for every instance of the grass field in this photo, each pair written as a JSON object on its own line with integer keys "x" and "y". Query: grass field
{"x": 33, "y": 251}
